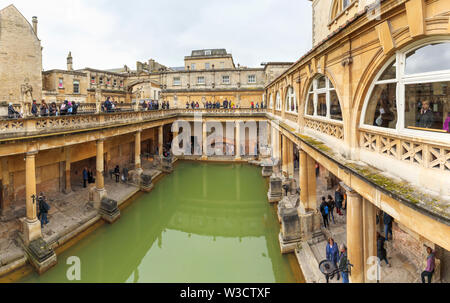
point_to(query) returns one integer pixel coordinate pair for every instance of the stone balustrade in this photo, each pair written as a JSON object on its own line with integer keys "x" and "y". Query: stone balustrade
{"x": 414, "y": 151}
{"x": 15, "y": 128}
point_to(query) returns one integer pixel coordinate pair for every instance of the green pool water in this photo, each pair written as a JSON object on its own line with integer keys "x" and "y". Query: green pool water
{"x": 204, "y": 223}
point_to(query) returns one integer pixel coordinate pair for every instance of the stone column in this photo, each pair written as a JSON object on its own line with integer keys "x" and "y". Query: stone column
{"x": 369, "y": 214}
{"x": 68, "y": 187}
{"x": 284, "y": 155}
{"x": 5, "y": 183}
{"x": 355, "y": 236}
{"x": 304, "y": 193}
{"x": 205, "y": 141}
{"x": 32, "y": 226}
{"x": 137, "y": 151}
{"x": 312, "y": 190}
{"x": 100, "y": 191}
{"x": 161, "y": 139}
{"x": 290, "y": 159}
{"x": 238, "y": 141}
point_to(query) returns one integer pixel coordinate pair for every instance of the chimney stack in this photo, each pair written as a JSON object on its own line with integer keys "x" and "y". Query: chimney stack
{"x": 35, "y": 24}
{"x": 70, "y": 62}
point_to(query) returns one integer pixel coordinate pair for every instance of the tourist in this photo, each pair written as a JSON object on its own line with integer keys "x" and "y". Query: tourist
{"x": 43, "y": 109}
{"x": 75, "y": 108}
{"x": 43, "y": 210}
{"x": 324, "y": 210}
{"x": 34, "y": 109}
{"x": 69, "y": 108}
{"x": 426, "y": 117}
{"x": 387, "y": 220}
{"x": 117, "y": 173}
{"x": 447, "y": 123}
{"x": 12, "y": 113}
{"x": 108, "y": 105}
{"x": 317, "y": 170}
{"x": 343, "y": 264}
{"x": 338, "y": 198}
{"x": 53, "y": 110}
{"x": 381, "y": 250}
{"x": 386, "y": 115}
{"x": 85, "y": 177}
{"x": 187, "y": 105}
{"x": 197, "y": 106}
{"x": 431, "y": 265}
{"x": 286, "y": 189}
{"x": 332, "y": 252}
{"x": 331, "y": 205}
{"x": 64, "y": 107}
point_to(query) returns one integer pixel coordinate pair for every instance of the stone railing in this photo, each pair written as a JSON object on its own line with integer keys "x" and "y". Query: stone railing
{"x": 409, "y": 150}
{"x": 331, "y": 128}
{"x": 292, "y": 117}
{"x": 13, "y": 128}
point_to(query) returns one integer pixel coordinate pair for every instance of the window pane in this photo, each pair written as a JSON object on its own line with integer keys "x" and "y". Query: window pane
{"x": 336, "y": 112}
{"x": 390, "y": 73}
{"x": 382, "y": 108}
{"x": 322, "y": 105}
{"x": 321, "y": 82}
{"x": 433, "y": 57}
{"x": 310, "y": 108}
{"x": 427, "y": 106}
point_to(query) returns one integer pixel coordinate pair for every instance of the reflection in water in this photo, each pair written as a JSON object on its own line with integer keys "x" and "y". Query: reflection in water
{"x": 175, "y": 234}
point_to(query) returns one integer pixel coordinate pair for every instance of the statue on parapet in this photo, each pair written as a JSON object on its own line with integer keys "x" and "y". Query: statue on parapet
{"x": 26, "y": 91}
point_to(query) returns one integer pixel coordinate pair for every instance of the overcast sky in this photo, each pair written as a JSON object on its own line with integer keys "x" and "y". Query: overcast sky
{"x": 110, "y": 33}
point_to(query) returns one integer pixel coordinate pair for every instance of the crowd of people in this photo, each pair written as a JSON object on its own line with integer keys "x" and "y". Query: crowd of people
{"x": 45, "y": 110}
{"x": 224, "y": 105}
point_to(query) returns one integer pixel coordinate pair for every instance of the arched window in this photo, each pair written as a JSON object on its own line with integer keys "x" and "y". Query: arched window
{"x": 412, "y": 93}
{"x": 278, "y": 101}
{"x": 291, "y": 101}
{"x": 271, "y": 101}
{"x": 322, "y": 100}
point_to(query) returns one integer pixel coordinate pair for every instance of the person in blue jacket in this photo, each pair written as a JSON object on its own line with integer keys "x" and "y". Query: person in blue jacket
{"x": 333, "y": 254}
{"x": 387, "y": 220}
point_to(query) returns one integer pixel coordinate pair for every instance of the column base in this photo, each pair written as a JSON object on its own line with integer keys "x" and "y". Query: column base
{"x": 39, "y": 254}
{"x": 238, "y": 159}
{"x": 109, "y": 210}
{"x": 31, "y": 230}
{"x": 204, "y": 158}
{"x": 267, "y": 171}
{"x": 288, "y": 247}
{"x": 99, "y": 194}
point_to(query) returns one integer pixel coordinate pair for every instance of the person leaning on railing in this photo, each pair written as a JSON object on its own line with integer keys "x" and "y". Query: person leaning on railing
{"x": 12, "y": 113}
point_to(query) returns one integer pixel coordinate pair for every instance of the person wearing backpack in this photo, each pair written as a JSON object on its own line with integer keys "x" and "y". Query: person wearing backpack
{"x": 43, "y": 210}
{"x": 325, "y": 210}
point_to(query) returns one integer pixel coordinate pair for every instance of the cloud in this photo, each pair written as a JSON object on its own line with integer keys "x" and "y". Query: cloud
{"x": 107, "y": 34}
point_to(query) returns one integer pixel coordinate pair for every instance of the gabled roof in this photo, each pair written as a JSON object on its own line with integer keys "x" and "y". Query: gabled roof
{"x": 16, "y": 11}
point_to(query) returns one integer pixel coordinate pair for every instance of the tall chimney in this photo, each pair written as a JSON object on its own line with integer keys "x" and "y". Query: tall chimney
{"x": 35, "y": 23}
{"x": 69, "y": 62}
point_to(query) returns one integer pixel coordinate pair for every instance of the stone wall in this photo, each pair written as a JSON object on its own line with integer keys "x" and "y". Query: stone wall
{"x": 20, "y": 56}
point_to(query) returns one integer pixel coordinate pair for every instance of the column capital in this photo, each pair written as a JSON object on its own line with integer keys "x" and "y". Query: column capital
{"x": 32, "y": 153}
{"x": 101, "y": 140}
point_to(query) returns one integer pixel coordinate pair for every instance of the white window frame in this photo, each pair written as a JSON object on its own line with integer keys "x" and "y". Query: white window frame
{"x": 278, "y": 105}
{"x": 78, "y": 83}
{"x": 201, "y": 82}
{"x": 329, "y": 87}
{"x": 176, "y": 82}
{"x": 207, "y": 52}
{"x": 271, "y": 101}
{"x": 251, "y": 77}
{"x": 193, "y": 66}
{"x": 291, "y": 97}
{"x": 226, "y": 82}
{"x": 402, "y": 80}
{"x": 207, "y": 66}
